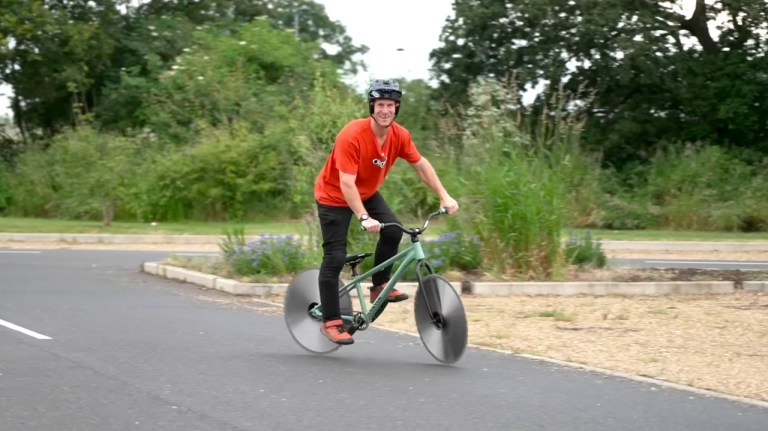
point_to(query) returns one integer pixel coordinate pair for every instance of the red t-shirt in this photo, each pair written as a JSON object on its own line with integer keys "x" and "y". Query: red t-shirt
{"x": 358, "y": 152}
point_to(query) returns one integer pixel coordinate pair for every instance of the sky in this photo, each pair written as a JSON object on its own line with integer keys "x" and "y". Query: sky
{"x": 413, "y": 26}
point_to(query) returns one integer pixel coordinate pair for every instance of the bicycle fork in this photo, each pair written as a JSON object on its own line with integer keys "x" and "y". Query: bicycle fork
{"x": 436, "y": 317}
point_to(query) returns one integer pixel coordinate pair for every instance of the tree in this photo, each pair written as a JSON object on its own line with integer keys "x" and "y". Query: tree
{"x": 55, "y": 55}
{"x": 61, "y": 56}
{"x": 658, "y": 75}
{"x": 251, "y": 76}
{"x": 306, "y": 17}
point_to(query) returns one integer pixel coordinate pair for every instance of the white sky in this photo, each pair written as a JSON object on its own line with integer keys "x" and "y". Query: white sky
{"x": 385, "y": 26}
{"x": 5, "y": 94}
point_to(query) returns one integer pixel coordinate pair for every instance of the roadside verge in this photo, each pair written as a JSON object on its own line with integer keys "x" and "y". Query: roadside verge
{"x": 476, "y": 288}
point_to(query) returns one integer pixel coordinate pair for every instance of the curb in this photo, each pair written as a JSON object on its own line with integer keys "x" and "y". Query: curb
{"x": 607, "y": 245}
{"x": 478, "y": 288}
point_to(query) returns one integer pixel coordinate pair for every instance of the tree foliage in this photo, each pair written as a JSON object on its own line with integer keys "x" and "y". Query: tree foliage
{"x": 61, "y": 56}
{"x": 657, "y": 74}
{"x": 56, "y": 56}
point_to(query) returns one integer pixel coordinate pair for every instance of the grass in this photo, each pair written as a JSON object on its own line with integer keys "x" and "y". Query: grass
{"x": 34, "y": 225}
{"x": 557, "y": 315}
{"x": 30, "y": 225}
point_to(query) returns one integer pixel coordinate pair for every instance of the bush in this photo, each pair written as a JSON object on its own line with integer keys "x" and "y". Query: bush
{"x": 82, "y": 174}
{"x": 697, "y": 187}
{"x": 585, "y": 252}
{"x": 273, "y": 255}
{"x": 453, "y": 251}
{"x": 5, "y": 191}
{"x": 515, "y": 174}
{"x": 619, "y": 214}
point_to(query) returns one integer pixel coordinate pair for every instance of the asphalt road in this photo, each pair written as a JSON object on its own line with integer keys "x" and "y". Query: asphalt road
{"x": 128, "y": 351}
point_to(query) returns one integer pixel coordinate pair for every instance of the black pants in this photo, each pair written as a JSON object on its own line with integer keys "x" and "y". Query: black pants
{"x": 334, "y": 225}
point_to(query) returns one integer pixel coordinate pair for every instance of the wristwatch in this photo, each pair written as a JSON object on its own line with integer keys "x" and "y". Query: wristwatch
{"x": 364, "y": 217}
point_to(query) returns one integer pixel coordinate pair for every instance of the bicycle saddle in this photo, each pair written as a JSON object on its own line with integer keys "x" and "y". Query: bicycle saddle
{"x": 356, "y": 258}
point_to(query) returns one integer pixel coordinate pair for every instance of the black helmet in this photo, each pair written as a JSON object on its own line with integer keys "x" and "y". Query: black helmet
{"x": 384, "y": 89}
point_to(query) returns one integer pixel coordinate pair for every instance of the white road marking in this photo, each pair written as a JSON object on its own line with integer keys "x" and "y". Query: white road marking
{"x": 24, "y": 330}
{"x": 21, "y": 251}
{"x": 196, "y": 254}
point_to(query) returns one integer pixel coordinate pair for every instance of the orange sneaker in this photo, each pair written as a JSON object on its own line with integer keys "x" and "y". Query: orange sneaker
{"x": 333, "y": 330}
{"x": 394, "y": 294}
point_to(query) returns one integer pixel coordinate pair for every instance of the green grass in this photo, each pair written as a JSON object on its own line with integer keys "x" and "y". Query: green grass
{"x": 29, "y": 225}
{"x": 557, "y": 315}
{"x": 33, "y": 225}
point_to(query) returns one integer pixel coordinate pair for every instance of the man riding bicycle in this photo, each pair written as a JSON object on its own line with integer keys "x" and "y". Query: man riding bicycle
{"x": 348, "y": 184}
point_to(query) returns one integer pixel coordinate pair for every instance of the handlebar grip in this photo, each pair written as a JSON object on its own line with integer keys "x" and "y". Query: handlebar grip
{"x": 363, "y": 229}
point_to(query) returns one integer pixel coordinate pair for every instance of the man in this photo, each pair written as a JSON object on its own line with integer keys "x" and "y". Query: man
{"x": 348, "y": 184}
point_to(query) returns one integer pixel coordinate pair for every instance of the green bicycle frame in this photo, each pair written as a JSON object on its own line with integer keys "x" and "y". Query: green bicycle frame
{"x": 413, "y": 253}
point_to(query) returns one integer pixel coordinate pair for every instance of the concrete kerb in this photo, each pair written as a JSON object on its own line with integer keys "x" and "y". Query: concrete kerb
{"x": 607, "y": 245}
{"x": 478, "y": 288}
{"x": 756, "y": 286}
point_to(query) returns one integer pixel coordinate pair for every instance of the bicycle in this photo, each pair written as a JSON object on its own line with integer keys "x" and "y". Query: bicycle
{"x": 439, "y": 313}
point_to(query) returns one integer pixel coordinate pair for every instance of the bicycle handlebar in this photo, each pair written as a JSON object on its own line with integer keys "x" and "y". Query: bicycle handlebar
{"x": 413, "y": 231}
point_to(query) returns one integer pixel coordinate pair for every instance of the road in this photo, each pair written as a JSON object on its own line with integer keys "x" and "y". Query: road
{"x": 127, "y": 351}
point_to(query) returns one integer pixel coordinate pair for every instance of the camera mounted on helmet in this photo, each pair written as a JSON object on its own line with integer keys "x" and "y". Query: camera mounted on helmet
{"x": 384, "y": 89}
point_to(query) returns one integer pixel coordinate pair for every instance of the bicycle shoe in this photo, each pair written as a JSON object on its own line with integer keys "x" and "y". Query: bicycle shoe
{"x": 394, "y": 295}
{"x": 333, "y": 329}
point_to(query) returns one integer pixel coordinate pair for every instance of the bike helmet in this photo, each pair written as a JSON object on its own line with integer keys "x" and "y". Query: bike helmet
{"x": 384, "y": 89}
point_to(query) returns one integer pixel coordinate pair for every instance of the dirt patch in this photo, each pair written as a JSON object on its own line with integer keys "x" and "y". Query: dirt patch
{"x": 716, "y": 342}
{"x": 630, "y": 275}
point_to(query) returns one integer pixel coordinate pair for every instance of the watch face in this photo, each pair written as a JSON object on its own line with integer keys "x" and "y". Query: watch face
{"x": 364, "y": 217}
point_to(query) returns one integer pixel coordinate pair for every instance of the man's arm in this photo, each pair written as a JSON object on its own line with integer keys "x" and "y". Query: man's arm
{"x": 429, "y": 176}
{"x": 355, "y": 203}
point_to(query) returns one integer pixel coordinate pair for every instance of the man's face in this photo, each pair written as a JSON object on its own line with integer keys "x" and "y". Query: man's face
{"x": 384, "y": 112}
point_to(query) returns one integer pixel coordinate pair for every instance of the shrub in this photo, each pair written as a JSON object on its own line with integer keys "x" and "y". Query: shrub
{"x": 83, "y": 174}
{"x": 697, "y": 187}
{"x": 273, "y": 255}
{"x": 453, "y": 251}
{"x": 5, "y": 191}
{"x": 516, "y": 171}
{"x": 585, "y": 252}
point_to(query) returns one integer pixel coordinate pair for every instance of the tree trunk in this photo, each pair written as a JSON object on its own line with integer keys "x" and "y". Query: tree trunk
{"x": 107, "y": 213}
{"x": 697, "y": 24}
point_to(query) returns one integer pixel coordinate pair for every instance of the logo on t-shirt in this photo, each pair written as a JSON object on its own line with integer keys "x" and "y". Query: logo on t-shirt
{"x": 380, "y": 163}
